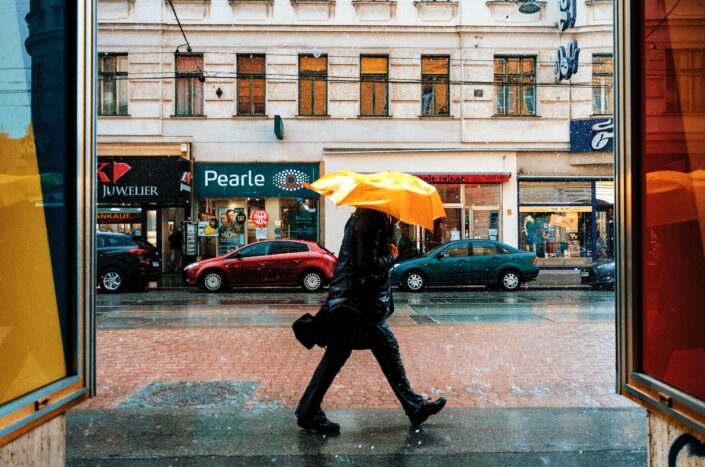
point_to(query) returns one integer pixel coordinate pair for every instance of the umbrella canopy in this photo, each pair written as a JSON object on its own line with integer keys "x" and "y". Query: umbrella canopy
{"x": 403, "y": 196}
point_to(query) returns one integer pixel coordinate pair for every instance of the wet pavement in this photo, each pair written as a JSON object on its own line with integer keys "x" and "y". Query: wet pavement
{"x": 280, "y": 307}
{"x": 267, "y": 436}
{"x": 189, "y": 378}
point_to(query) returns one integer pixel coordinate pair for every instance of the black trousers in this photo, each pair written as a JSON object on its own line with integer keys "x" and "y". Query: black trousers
{"x": 381, "y": 341}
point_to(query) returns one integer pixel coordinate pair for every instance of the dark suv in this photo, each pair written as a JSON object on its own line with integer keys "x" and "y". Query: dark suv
{"x": 124, "y": 261}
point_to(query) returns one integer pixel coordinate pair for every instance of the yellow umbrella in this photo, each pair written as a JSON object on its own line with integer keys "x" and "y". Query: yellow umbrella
{"x": 403, "y": 196}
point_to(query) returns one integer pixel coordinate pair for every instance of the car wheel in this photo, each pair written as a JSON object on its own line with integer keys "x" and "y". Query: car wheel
{"x": 510, "y": 280}
{"x": 213, "y": 281}
{"x": 112, "y": 280}
{"x": 414, "y": 281}
{"x": 312, "y": 281}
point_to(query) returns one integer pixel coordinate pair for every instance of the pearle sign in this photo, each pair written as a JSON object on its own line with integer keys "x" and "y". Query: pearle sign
{"x": 254, "y": 180}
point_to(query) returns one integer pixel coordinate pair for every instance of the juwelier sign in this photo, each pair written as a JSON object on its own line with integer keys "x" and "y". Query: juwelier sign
{"x": 135, "y": 180}
{"x": 254, "y": 180}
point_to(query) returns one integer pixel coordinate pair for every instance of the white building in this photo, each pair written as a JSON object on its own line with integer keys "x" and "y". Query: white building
{"x": 350, "y": 80}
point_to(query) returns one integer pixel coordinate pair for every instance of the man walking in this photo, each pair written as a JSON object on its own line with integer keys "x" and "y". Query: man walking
{"x": 359, "y": 302}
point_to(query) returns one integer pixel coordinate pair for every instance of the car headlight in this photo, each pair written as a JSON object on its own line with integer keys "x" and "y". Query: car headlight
{"x": 190, "y": 266}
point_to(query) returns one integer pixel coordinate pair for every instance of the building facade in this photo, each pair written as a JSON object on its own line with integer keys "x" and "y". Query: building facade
{"x": 270, "y": 94}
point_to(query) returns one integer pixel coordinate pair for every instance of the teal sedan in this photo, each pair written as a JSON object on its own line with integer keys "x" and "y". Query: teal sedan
{"x": 483, "y": 262}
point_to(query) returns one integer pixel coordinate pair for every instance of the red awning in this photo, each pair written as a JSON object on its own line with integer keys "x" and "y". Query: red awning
{"x": 433, "y": 179}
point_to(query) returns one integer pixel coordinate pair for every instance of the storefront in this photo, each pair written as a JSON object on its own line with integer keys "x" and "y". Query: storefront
{"x": 473, "y": 204}
{"x": 477, "y": 187}
{"x": 568, "y": 222}
{"x": 146, "y": 195}
{"x": 239, "y": 204}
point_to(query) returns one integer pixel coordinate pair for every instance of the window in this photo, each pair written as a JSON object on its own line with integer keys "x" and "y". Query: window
{"x": 374, "y": 86}
{"x": 112, "y": 88}
{"x": 250, "y": 84}
{"x": 685, "y": 80}
{"x": 435, "y": 87}
{"x": 46, "y": 348}
{"x": 515, "y": 85}
{"x": 283, "y": 248}
{"x": 602, "y": 84}
{"x": 189, "y": 84}
{"x": 313, "y": 85}
{"x": 256, "y": 249}
{"x": 456, "y": 251}
{"x": 483, "y": 249}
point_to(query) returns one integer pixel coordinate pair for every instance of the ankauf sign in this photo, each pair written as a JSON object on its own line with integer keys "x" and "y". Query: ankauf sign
{"x": 254, "y": 180}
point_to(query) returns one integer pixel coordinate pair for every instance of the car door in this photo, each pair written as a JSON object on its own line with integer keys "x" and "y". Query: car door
{"x": 286, "y": 259}
{"x": 485, "y": 262}
{"x": 249, "y": 265}
{"x": 449, "y": 266}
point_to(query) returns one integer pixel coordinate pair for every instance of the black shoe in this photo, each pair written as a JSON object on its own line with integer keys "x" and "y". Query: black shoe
{"x": 426, "y": 410}
{"x": 319, "y": 423}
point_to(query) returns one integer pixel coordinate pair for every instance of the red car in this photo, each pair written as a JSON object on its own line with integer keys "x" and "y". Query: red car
{"x": 266, "y": 263}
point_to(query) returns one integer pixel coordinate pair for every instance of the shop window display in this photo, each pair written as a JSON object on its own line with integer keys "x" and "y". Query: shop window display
{"x": 556, "y": 234}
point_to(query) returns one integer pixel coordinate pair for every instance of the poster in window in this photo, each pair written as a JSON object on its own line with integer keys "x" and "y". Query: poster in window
{"x": 231, "y": 233}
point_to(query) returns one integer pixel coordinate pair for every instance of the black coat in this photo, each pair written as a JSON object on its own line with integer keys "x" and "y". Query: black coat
{"x": 360, "y": 292}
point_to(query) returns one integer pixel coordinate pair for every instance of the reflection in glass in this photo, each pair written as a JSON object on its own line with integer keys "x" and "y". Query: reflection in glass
{"x": 672, "y": 164}
{"x": 35, "y": 325}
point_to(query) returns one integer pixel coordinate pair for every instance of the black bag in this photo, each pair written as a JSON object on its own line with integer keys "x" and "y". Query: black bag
{"x": 307, "y": 330}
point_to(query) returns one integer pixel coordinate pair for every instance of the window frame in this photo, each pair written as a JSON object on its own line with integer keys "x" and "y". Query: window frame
{"x": 504, "y": 80}
{"x": 375, "y": 78}
{"x": 251, "y": 77}
{"x": 312, "y": 76}
{"x": 658, "y": 397}
{"x": 38, "y": 406}
{"x": 603, "y": 86}
{"x": 114, "y": 77}
{"x": 433, "y": 77}
{"x": 188, "y": 75}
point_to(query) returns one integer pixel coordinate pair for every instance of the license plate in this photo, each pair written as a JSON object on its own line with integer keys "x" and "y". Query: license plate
{"x": 155, "y": 264}
{"x": 584, "y": 274}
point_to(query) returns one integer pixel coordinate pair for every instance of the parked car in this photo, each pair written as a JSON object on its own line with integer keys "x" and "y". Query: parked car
{"x": 125, "y": 262}
{"x": 598, "y": 275}
{"x": 265, "y": 263}
{"x": 460, "y": 262}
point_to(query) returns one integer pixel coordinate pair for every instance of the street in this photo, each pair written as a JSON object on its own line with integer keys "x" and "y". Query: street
{"x": 280, "y": 307}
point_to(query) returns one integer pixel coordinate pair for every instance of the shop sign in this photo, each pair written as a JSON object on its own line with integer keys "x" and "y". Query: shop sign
{"x": 568, "y": 14}
{"x": 260, "y": 218}
{"x": 436, "y": 179}
{"x": 119, "y": 217}
{"x": 592, "y": 135}
{"x": 254, "y": 180}
{"x": 134, "y": 180}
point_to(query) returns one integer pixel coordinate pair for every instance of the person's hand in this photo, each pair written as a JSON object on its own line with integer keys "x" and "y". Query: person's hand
{"x": 393, "y": 250}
